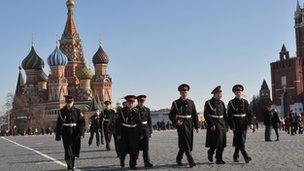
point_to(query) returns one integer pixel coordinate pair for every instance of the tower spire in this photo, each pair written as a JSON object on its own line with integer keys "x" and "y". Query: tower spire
{"x": 70, "y": 28}
{"x": 70, "y": 4}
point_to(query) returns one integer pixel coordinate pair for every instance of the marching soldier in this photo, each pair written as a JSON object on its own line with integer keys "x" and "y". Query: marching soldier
{"x": 70, "y": 127}
{"x": 113, "y": 122}
{"x": 216, "y": 119}
{"x": 128, "y": 131}
{"x": 146, "y": 130}
{"x": 239, "y": 118}
{"x": 108, "y": 114}
{"x": 96, "y": 121}
{"x": 183, "y": 114}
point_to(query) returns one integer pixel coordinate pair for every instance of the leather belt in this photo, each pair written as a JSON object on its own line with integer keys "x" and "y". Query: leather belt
{"x": 216, "y": 116}
{"x": 239, "y": 115}
{"x": 107, "y": 120}
{"x": 184, "y": 116}
{"x": 145, "y": 123}
{"x": 129, "y": 125}
{"x": 70, "y": 124}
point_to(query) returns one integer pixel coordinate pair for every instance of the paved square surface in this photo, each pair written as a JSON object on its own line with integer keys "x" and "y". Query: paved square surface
{"x": 31, "y": 153}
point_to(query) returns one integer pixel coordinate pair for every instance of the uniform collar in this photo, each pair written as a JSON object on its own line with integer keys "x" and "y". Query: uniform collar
{"x": 141, "y": 107}
{"x": 237, "y": 99}
{"x": 216, "y": 100}
{"x": 184, "y": 100}
{"x": 71, "y": 108}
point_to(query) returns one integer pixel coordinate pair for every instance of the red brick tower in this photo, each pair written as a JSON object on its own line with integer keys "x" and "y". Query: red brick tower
{"x": 287, "y": 73}
{"x": 71, "y": 46}
{"x": 299, "y": 30}
{"x": 287, "y": 76}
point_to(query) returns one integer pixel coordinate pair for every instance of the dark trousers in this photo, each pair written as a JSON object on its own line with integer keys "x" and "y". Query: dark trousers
{"x": 219, "y": 152}
{"x": 117, "y": 145}
{"x": 97, "y": 137}
{"x": 145, "y": 149}
{"x": 276, "y": 130}
{"x": 107, "y": 134}
{"x": 294, "y": 129}
{"x": 132, "y": 161}
{"x": 243, "y": 151}
{"x": 268, "y": 133}
{"x": 180, "y": 154}
{"x": 69, "y": 152}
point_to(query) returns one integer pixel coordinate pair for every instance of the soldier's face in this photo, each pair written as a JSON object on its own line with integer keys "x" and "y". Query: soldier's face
{"x": 238, "y": 93}
{"x": 184, "y": 93}
{"x": 69, "y": 103}
{"x": 218, "y": 95}
{"x": 141, "y": 102}
{"x": 108, "y": 106}
{"x": 130, "y": 104}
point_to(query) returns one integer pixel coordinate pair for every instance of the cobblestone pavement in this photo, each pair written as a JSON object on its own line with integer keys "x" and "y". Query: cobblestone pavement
{"x": 287, "y": 154}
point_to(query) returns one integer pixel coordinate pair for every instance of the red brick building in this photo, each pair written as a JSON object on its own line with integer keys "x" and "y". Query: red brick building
{"x": 287, "y": 73}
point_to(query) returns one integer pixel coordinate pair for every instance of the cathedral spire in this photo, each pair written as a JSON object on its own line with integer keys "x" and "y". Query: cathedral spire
{"x": 70, "y": 28}
{"x": 298, "y": 8}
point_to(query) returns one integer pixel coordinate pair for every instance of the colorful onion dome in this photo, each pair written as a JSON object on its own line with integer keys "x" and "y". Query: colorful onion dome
{"x": 57, "y": 58}
{"x": 32, "y": 61}
{"x": 100, "y": 57}
{"x": 84, "y": 74}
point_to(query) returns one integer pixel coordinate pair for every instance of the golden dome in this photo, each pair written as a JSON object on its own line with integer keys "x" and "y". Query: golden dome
{"x": 84, "y": 74}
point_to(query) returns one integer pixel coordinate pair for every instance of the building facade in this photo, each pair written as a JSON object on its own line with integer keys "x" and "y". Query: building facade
{"x": 287, "y": 72}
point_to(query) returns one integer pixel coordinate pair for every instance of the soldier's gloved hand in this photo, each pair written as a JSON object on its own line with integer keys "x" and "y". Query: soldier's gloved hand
{"x": 150, "y": 135}
{"x": 58, "y": 138}
{"x": 251, "y": 127}
{"x": 213, "y": 128}
{"x": 197, "y": 130}
{"x": 179, "y": 122}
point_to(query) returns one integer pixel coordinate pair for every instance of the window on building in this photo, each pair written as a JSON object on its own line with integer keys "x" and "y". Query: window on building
{"x": 283, "y": 81}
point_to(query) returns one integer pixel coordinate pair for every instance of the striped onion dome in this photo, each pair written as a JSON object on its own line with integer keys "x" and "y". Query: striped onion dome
{"x": 57, "y": 58}
{"x": 32, "y": 61}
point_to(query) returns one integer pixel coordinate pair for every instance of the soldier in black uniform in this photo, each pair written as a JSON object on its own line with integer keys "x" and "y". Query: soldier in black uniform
{"x": 128, "y": 131}
{"x": 108, "y": 114}
{"x": 217, "y": 126}
{"x": 183, "y": 114}
{"x": 70, "y": 127}
{"x": 239, "y": 118}
{"x": 146, "y": 131}
{"x": 268, "y": 115}
{"x": 96, "y": 121}
{"x": 113, "y": 123}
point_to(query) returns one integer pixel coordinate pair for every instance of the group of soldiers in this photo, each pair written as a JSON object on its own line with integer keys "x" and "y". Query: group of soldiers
{"x": 132, "y": 127}
{"x": 103, "y": 123}
{"x": 238, "y": 118}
